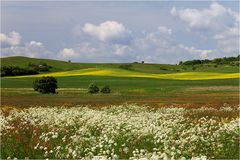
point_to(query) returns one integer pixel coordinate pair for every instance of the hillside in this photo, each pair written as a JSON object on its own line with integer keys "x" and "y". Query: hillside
{"x": 126, "y": 73}
{"x": 154, "y": 84}
{"x": 58, "y": 65}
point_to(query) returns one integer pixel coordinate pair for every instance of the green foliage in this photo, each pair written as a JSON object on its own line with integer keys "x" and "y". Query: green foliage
{"x": 45, "y": 85}
{"x": 126, "y": 66}
{"x": 164, "y": 69}
{"x": 30, "y": 70}
{"x": 16, "y": 71}
{"x": 93, "y": 88}
{"x": 41, "y": 67}
{"x": 224, "y": 60}
{"x": 106, "y": 89}
{"x": 193, "y": 62}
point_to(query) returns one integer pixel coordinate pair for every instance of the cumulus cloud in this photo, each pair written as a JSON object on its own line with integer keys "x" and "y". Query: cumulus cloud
{"x": 121, "y": 49}
{"x": 228, "y": 41}
{"x": 214, "y": 17}
{"x": 97, "y": 52}
{"x": 155, "y": 47}
{"x": 31, "y": 49}
{"x": 13, "y": 38}
{"x": 165, "y": 30}
{"x": 108, "y": 31}
{"x": 221, "y": 23}
{"x": 199, "y": 53}
{"x": 158, "y": 48}
{"x": 67, "y": 53}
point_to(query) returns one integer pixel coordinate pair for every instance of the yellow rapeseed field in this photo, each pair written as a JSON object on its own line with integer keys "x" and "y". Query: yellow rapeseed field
{"x": 124, "y": 73}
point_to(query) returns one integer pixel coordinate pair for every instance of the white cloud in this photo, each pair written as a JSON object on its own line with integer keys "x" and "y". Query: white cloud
{"x": 67, "y": 53}
{"x": 156, "y": 47}
{"x": 228, "y": 40}
{"x": 220, "y": 23}
{"x": 108, "y": 31}
{"x": 97, "y": 52}
{"x": 215, "y": 16}
{"x": 121, "y": 49}
{"x": 201, "y": 53}
{"x": 165, "y": 30}
{"x": 13, "y": 38}
{"x": 31, "y": 49}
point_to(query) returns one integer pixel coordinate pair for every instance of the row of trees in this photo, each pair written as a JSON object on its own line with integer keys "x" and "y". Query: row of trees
{"x": 30, "y": 70}
{"x": 219, "y": 61}
{"x": 49, "y": 85}
{"x": 95, "y": 89}
{"x": 16, "y": 71}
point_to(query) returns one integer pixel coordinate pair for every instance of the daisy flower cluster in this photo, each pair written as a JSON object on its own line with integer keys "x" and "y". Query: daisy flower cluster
{"x": 120, "y": 132}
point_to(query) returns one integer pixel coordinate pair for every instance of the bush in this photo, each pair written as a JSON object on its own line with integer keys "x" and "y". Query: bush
{"x": 126, "y": 66}
{"x": 41, "y": 67}
{"x": 16, "y": 71}
{"x": 164, "y": 69}
{"x": 45, "y": 85}
{"x": 93, "y": 88}
{"x": 106, "y": 89}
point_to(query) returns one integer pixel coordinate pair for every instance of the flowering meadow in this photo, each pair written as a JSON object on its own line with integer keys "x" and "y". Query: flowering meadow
{"x": 120, "y": 132}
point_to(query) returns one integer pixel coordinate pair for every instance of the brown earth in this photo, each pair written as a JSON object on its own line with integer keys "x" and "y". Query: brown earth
{"x": 216, "y": 99}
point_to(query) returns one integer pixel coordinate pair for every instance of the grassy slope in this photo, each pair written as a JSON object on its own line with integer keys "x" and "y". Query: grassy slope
{"x": 146, "y": 68}
{"x": 125, "y": 89}
{"x": 115, "y": 72}
{"x": 154, "y": 92}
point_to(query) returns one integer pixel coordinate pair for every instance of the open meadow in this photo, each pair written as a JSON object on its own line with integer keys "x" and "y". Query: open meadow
{"x": 151, "y": 84}
{"x": 154, "y": 111}
{"x": 120, "y": 80}
{"x": 120, "y": 132}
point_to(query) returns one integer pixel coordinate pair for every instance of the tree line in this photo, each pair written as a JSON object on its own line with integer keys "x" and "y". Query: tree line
{"x": 218, "y": 61}
{"x": 30, "y": 70}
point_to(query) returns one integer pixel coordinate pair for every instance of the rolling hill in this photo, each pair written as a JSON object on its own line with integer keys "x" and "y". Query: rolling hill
{"x": 58, "y": 65}
{"x": 130, "y": 82}
{"x": 126, "y": 73}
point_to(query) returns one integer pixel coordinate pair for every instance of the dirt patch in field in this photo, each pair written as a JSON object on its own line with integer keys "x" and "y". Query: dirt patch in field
{"x": 193, "y": 100}
{"x": 214, "y": 88}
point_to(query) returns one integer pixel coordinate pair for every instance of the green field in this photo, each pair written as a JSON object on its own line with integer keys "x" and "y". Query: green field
{"x": 155, "y": 84}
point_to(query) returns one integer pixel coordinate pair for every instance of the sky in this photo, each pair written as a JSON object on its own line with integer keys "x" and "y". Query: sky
{"x": 123, "y": 31}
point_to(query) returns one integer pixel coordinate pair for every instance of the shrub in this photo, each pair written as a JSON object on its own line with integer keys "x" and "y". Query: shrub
{"x": 106, "y": 89}
{"x": 164, "y": 69}
{"x": 41, "y": 67}
{"x": 16, "y": 71}
{"x": 93, "y": 88}
{"x": 45, "y": 85}
{"x": 194, "y": 68}
{"x": 126, "y": 66}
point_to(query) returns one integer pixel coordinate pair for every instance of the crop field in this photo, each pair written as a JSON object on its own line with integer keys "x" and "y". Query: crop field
{"x": 126, "y": 73}
{"x": 151, "y": 84}
{"x": 151, "y": 91}
{"x": 120, "y": 132}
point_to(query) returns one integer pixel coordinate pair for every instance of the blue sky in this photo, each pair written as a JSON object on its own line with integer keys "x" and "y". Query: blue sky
{"x": 156, "y": 32}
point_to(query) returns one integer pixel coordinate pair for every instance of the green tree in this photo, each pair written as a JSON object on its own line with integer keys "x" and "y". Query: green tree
{"x": 45, "y": 85}
{"x": 106, "y": 89}
{"x": 93, "y": 88}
